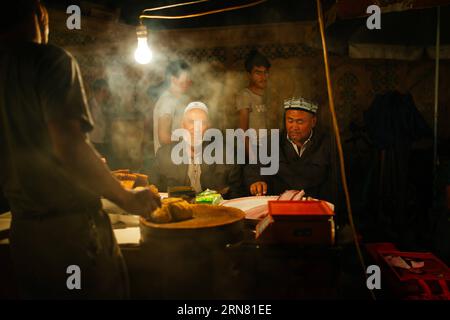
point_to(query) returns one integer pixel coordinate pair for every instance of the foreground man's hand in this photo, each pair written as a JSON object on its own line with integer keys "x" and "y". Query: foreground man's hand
{"x": 258, "y": 188}
{"x": 140, "y": 201}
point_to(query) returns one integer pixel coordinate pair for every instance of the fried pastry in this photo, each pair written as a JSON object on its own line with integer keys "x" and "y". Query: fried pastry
{"x": 172, "y": 210}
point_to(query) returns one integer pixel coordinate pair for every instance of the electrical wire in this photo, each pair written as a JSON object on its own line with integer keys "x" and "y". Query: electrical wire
{"x": 193, "y": 15}
{"x": 338, "y": 140}
{"x": 174, "y": 5}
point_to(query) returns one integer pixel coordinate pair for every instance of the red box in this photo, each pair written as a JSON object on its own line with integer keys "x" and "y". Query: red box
{"x": 297, "y": 222}
{"x": 432, "y": 284}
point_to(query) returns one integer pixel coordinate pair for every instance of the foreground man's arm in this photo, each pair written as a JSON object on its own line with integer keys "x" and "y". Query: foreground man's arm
{"x": 86, "y": 168}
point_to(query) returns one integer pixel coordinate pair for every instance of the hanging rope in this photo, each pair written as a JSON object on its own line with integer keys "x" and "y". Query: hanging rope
{"x": 338, "y": 139}
{"x": 199, "y": 14}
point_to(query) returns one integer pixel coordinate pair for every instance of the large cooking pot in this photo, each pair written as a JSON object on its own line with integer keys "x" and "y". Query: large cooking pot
{"x": 187, "y": 258}
{"x": 210, "y": 226}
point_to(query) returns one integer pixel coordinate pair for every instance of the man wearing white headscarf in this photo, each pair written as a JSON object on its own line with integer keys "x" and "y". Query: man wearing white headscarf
{"x": 224, "y": 178}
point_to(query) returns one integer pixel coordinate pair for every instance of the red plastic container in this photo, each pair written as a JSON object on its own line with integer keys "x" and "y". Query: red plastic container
{"x": 298, "y": 222}
{"x": 431, "y": 284}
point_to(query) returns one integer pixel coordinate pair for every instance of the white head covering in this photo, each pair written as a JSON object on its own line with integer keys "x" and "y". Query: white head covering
{"x": 196, "y": 105}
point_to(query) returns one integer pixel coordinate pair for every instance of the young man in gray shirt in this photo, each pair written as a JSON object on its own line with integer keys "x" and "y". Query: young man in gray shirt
{"x": 170, "y": 105}
{"x": 251, "y": 102}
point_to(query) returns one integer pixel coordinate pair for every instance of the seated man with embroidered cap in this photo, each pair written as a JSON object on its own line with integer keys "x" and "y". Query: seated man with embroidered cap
{"x": 305, "y": 160}
{"x": 193, "y": 171}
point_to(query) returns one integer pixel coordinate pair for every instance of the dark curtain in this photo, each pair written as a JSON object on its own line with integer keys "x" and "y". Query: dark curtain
{"x": 393, "y": 124}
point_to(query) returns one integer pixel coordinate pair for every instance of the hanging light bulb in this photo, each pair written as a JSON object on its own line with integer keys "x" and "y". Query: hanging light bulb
{"x": 143, "y": 55}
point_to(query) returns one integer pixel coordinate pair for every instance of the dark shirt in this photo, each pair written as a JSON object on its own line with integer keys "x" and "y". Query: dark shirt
{"x": 214, "y": 176}
{"x": 38, "y": 84}
{"x": 312, "y": 172}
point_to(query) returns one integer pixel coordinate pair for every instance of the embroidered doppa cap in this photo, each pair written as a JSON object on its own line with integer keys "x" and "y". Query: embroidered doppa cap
{"x": 300, "y": 104}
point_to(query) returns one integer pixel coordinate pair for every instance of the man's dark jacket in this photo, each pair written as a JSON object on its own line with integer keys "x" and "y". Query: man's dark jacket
{"x": 214, "y": 176}
{"x": 313, "y": 172}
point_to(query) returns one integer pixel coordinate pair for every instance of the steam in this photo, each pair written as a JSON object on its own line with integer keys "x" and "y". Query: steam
{"x": 108, "y": 54}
